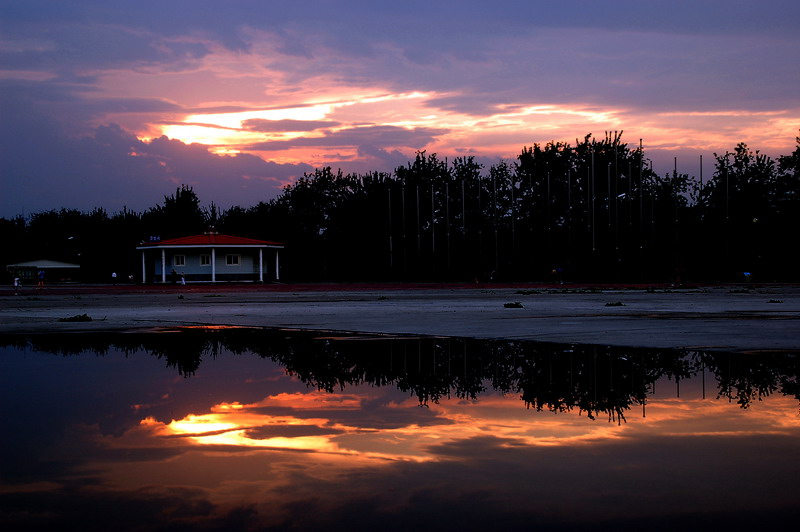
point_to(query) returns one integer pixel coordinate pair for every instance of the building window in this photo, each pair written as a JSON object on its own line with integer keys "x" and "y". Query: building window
{"x": 179, "y": 260}
{"x": 232, "y": 260}
{"x": 205, "y": 260}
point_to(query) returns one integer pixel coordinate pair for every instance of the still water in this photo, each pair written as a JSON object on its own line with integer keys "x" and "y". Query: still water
{"x": 250, "y": 429}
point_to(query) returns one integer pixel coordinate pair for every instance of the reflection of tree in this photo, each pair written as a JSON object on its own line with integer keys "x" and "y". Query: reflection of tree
{"x": 183, "y": 352}
{"x": 745, "y": 378}
{"x": 555, "y": 377}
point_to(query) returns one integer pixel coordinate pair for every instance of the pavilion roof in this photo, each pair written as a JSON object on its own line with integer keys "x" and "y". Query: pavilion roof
{"x": 209, "y": 240}
{"x": 43, "y": 264}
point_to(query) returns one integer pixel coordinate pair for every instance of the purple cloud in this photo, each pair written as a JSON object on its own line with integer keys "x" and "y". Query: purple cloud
{"x": 368, "y": 136}
{"x": 112, "y": 168}
{"x": 269, "y": 126}
{"x": 64, "y": 65}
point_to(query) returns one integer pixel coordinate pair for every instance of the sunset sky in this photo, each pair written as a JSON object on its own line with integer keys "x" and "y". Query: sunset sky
{"x": 111, "y": 104}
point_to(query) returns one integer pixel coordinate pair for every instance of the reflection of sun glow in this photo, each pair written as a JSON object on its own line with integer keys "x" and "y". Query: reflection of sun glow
{"x": 232, "y": 429}
{"x": 308, "y": 423}
{"x": 193, "y": 424}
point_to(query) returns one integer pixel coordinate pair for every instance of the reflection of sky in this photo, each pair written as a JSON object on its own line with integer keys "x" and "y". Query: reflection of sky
{"x": 242, "y": 443}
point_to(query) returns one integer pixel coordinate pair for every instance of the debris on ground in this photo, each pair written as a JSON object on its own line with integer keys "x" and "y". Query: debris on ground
{"x": 77, "y": 317}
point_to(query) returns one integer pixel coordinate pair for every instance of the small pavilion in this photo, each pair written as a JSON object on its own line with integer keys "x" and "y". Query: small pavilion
{"x": 210, "y": 257}
{"x": 54, "y": 270}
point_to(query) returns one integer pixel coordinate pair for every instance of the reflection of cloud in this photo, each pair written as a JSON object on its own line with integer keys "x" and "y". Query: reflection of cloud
{"x": 311, "y": 401}
{"x": 314, "y": 460}
{"x": 313, "y": 421}
{"x": 144, "y": 508}
{"x": 365, "y": 413}
{"x": 661, "y": 483}
{"x": 289, "y": 431}
{"x": 700, "y": 417}
{"x": 344, "y": 423}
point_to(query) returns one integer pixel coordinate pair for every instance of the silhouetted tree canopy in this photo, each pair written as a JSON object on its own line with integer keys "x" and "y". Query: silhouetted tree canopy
{"x": 592, "y": 211}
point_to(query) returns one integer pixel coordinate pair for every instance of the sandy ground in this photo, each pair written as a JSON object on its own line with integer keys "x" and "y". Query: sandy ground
{"x": 720, "y": 318}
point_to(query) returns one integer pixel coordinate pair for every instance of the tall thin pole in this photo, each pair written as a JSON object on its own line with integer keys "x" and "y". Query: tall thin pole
{"x": 569, "y": 213}
{"x": 616, "y": 207}
{"x": 727, "y": 212}
{"x": 616, "y": 163}
{"x": 549, "y": 226}
{"x": 701, "y": 173}
{"x": 433, "y": 225}
{"x": 630, "y": 195}
{"x": 494, "y": 223}
{"x": 591, "y": 187}
{"x": 463, "y": 214}
{"x": 480, "y": 226}
{"x": 513, "y": 216}
{"x": 652, "y": 212}
{"x": 675, "y": 197}
{"x": 403, "y": 221}
{"x": 641, "y": 209}
{"x": 391, "y": 246}
{"x": 447, "y": 218}
{"x": 608, "y": 193}
{"x": 589, "y": 204}
{"x": 419, "y": 240}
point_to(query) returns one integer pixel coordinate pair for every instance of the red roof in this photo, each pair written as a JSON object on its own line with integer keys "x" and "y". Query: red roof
{"x": 212, "y": 239}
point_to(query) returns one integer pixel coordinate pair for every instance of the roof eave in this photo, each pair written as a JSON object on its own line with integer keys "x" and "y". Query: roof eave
{"x": 196, "y": 246}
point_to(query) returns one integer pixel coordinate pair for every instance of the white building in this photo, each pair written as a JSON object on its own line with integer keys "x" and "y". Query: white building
{"x": 210, "y": 257}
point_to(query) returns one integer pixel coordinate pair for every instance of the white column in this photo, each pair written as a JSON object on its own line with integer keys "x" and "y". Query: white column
{"x": 260, "y": 265}
{"x": 144, "y": 269}
{"x": 213, "y": 265}
{"x": 277, "y": 266}
{"x": 163, "y": 266}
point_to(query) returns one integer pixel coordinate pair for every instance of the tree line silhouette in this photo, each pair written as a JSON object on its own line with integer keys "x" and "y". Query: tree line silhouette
{"x": 592, "y": 211}
{"x": 598, "y": 381}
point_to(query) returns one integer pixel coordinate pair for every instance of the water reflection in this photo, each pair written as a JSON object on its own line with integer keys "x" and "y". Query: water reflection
{"x": 591, "y": 379}
{"x": 254, "y": 428}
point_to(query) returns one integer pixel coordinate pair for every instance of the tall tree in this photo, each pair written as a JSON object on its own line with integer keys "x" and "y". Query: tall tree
{"x": 180, "y": 215}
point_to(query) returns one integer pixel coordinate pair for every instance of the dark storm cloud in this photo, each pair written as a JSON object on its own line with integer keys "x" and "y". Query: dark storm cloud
{"x": 65, "y": 108}
{"x": 484, "y": 482}
{"x": 498, "y": 483}
{"x": 112, "y": 168}
{"x": 687, "y": 55}
{"x": 384, "y": 158}
{"x": 79, "y": 507}
{"x": 371, "y": 136}
{"x": 631, "y": 56}
{"x": 522, "y": 41}
{"x": 371, "y": 415}
{"x": 268, "y": 126}
{"x": 474, "y": 104}
{"x": 201, "y": 124}
{"x": 62, "y": 48}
